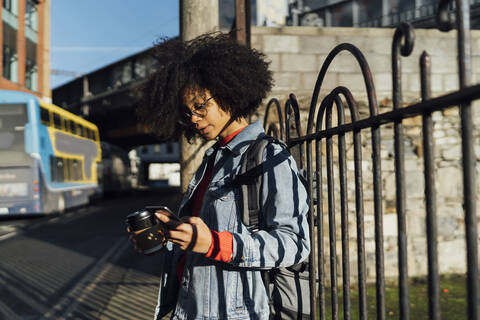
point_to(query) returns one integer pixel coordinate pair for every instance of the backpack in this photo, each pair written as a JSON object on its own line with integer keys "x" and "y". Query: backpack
{"x": 288, "y": 288}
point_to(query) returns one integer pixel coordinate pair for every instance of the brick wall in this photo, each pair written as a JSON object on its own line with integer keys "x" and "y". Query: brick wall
{"x": 43, "y": 52}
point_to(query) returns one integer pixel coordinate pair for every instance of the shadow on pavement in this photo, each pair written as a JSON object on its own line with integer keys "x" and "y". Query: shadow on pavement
{"x": 41, "y": 266}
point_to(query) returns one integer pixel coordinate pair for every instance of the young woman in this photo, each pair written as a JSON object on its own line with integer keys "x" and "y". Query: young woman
{"x": 208, "y": 87}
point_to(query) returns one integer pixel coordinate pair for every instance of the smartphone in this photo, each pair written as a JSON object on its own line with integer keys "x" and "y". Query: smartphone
{"x": 165, "y": 210}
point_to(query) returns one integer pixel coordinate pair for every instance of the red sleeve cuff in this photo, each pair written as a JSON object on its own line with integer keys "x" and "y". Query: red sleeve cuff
{"x": 221, "y": 248}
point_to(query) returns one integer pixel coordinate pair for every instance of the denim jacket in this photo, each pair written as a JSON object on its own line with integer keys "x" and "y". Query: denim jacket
{"x": 216, "y": 290}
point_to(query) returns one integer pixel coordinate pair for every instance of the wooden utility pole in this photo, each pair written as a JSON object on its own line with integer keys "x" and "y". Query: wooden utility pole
{"x": 196, "y": 17}
{"x": 242, "y": 22}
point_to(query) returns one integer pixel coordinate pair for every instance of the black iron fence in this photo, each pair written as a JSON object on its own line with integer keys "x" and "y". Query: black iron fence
{"x": 320, "y": 131}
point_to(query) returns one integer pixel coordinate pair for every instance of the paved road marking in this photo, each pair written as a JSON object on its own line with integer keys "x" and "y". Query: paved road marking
{"x": 8, "y": 235}
{"x": 80, "y": 291}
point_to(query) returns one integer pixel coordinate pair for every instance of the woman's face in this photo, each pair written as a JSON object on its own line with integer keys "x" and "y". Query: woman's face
{"x": 206, "y": 116}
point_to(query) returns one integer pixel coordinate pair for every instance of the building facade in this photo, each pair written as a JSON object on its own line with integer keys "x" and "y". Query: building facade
{"x": 271, "y": 13}
{"x": 369, "y": 13}
{"x": 25, "y": 46}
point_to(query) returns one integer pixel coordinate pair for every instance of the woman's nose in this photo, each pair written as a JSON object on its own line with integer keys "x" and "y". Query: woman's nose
{"x": 194, "y": 118}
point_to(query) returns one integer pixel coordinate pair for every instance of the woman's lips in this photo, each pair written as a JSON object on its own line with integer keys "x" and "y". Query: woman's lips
{"x": 203, "y": 130}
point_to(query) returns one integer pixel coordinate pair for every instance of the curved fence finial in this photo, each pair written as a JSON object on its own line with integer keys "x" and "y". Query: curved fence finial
{"x": 279, "y": 131}
{"x": 367, "y": 76}
{"x": 406, "y": 33}
{"x": 292, "y": 106}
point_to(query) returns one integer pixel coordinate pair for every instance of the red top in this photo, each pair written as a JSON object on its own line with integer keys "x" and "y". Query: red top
{"x": 221, "y": 248}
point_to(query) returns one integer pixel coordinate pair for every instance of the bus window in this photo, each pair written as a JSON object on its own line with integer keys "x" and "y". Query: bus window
{"x": 68, "y": 171}
{"x": 92, "y": 135}
{"x": 61, "y": 169}
{"x": 57, "y": 121}
{"x": 65, "y": 124}
{"x": 73, "y": 127}
{"x": 79, "y": 129}
{"x": 57, "y": 169}
{"x": 96, "y": 136}
{"x": 44, "y": 116}
{"x": 73, "y": 169}
{"x": 77, "y": 169}
{"x": 53, "y": 172}
{"x": 85, "y": 133}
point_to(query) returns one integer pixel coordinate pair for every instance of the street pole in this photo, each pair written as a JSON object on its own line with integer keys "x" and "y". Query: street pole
{"x": 196, "y": 18}
{"x": 242, "y": 19}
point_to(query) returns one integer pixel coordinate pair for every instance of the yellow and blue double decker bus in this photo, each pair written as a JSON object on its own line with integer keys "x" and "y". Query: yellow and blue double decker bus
{"x": 48, "y": 156}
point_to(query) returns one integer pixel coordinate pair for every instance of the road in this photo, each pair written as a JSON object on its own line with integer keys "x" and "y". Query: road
{"x": 79, "y": 265}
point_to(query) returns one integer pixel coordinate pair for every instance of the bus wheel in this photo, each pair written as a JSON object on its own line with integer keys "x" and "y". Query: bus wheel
{"x": 61, "y": 204}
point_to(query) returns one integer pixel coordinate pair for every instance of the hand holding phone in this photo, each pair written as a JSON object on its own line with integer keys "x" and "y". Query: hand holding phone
{"x": 173, "y": 219}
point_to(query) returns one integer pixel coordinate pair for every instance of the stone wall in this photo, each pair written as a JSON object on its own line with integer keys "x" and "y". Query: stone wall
{"x": 297, "y": 54}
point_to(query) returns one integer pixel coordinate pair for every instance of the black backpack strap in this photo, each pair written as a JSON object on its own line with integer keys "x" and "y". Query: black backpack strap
{"x": 250, "y": 178}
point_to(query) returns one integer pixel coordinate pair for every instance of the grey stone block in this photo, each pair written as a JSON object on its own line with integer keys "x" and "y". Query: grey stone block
{"x": 346, "y": 63}
{"x": 299, "y": 62}
{"x": 449, "y": 182}
{"x": 417, "y": 257}
{"x": 435, "y": 44}
{"x": 256, "y": 42}
{"x": 415, "y": 225}
{"x": 287, "y": 81}
{"x": 379, "y": 63}
{"x": 275, "y": 61}
{"x": 280, "y": 43}
{"x": 444, "y": 65}
{"x": 309, "y": 79}
{"x": 413, "y": 83}
{"x": 383, "y": 82}
{"x": 450, "y": 82}
{"x": 452, "y": 153}
{"x": 317, "y": 44}
{"x": 452, "y": 255}
{"x": 330, "y": 81}
{"x": 353, "y": 81}
{"x": 437, "y": 85}
{"x": 379, "y": 45}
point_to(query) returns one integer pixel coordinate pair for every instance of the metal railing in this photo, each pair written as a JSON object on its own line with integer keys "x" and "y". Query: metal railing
{"x": 324, "y": 132}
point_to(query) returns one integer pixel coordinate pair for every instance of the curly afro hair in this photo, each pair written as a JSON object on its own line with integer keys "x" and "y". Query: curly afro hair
{"x": 236, "y": 76}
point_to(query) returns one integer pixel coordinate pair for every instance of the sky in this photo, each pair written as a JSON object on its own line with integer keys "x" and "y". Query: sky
{"x": 89, "y": 34}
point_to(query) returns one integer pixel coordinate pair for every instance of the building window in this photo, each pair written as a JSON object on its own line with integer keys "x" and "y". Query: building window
{"x": 31, "y": 21}
{"x": 9, "y": 63}
{"x": 342, "y": 15}
{"x": 10, "y": 13}
{"x": 140, "y": 67}
{"x": 31, "y": 69}
{"x": 31, "y": 75}
{"x": 226, "y": 11}
{"x": 31, "y": 15}
{"x": 8, "y": 5}
{"x": 9, "y": 50}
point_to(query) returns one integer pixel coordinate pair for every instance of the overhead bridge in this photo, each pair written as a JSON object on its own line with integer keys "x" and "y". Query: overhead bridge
{"x": 107, "y": 97}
